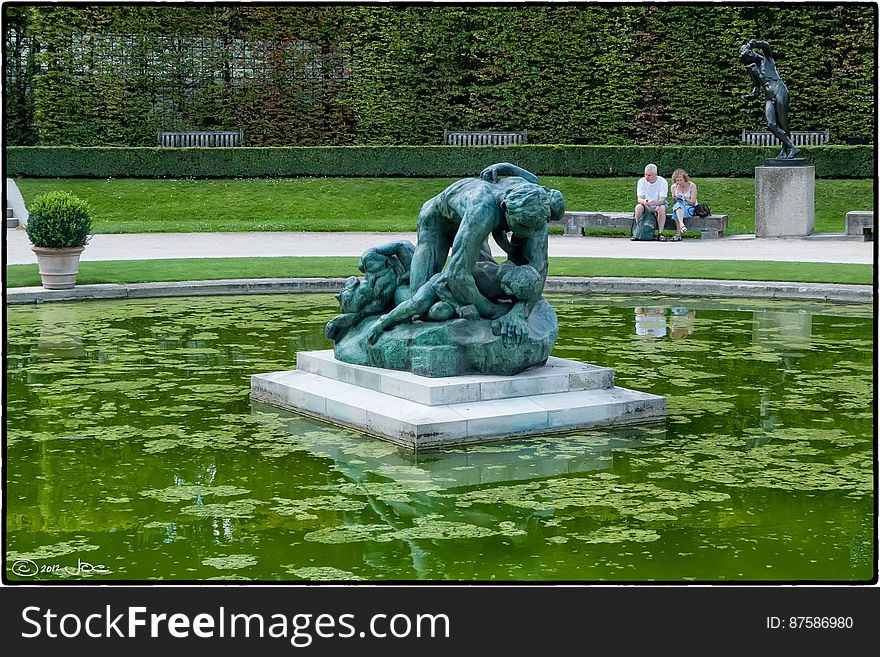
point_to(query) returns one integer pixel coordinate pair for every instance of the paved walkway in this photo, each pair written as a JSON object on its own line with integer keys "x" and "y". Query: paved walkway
{"x": 229, "y": 245}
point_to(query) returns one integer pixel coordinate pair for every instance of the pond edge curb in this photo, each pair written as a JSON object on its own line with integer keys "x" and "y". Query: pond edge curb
{"x": 834, "y": 292}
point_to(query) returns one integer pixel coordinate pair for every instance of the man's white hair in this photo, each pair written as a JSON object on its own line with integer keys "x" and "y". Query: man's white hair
{"x": 651, "y": 168}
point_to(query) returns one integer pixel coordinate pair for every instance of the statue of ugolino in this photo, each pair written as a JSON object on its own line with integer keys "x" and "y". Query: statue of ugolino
{"x": 475, "y": 315}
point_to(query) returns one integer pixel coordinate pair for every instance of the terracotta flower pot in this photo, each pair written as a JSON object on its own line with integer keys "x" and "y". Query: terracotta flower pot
{"x": 58, "y": 267}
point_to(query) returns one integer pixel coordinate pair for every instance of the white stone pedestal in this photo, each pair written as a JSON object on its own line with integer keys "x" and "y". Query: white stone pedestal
{"x": 784, "y": 201}
{"x": 419, "y": 412}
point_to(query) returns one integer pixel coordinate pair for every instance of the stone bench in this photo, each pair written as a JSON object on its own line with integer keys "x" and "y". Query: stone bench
{"x": 484, "y": 137}
{"x": 573, "y": 223}
{"x": 798, "y": 137}
{"x": 860, "y": 224}
{"x": 199, "y": 138}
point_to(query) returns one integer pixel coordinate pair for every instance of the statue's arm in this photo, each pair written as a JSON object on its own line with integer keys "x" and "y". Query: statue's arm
{"x": 492, "y": 173}
{"x": 500, "y": 237}
{"x": 476, "y": 223}
{"x": 513, "y": 327}
{"x": 763, "y": 46}
{"x": 441, "y": 289}
{"x": 535, "y": 251}
{"x": 756, "y": 91}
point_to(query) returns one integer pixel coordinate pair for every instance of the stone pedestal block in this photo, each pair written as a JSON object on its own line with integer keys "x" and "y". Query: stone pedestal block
{"x": 424, "y": 412}
{"x": 860, "y": 224}
{"x": 784, "y": 201}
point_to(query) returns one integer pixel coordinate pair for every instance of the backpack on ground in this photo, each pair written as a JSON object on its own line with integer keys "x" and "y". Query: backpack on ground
{"x": 643, "y": 229}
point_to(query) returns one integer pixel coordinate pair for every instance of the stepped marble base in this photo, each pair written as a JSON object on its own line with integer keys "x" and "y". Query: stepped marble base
{"x": 421, "y": 412}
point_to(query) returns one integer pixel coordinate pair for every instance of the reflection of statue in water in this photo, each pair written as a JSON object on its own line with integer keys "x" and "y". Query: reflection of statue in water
{"x": 765, "y": 77}
{"x": 500, "y": 333}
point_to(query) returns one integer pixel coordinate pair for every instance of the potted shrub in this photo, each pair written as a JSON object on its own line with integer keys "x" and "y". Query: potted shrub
{"x": 58, "y": 228}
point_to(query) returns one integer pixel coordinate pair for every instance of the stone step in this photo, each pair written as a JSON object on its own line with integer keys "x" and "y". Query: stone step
{"x": 558, "y": 375}
{"x": 9, "y": 213}
{"x": 835, "y": 236}
{"x": 417, "y": 426}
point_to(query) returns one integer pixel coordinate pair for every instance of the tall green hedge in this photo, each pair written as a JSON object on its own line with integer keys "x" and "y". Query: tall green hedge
{"x": 413, "y": 161}
{"x": 383, "y": 74}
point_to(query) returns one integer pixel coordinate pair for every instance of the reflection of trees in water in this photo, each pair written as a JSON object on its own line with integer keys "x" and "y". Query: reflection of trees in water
{"x": 787, "y": 336}
{"x": 60, "y": 335}
{"x": 787, "y": 333}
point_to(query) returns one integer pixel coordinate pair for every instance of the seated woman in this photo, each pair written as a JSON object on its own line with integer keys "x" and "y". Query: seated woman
{"x": 685, "y": 194}
{"x": 503, "y": 284}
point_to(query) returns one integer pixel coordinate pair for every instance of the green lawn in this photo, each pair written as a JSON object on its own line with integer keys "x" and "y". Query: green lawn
{"x": 379, "y": 204}
{"x": 143, "y": 271}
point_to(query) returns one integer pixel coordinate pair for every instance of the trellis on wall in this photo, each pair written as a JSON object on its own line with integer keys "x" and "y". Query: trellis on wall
{"x": 356, "y": 74}
{"x": 86, "y": 82}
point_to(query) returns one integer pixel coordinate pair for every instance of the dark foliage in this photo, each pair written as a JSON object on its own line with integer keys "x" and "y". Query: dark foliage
{"x": 324, "y": 75}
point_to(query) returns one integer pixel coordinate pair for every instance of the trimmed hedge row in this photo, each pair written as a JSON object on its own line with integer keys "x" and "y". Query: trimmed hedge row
{"x": 414, "y": 161}
{"x": 322, "y": 74}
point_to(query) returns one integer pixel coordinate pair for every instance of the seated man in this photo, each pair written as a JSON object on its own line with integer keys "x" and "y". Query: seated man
{"x": 652, "y": 191}
{"x": 502, "y": 284}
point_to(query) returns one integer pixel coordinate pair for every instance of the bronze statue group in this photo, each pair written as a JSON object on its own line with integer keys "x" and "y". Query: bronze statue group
{"x": 402, "y": 282}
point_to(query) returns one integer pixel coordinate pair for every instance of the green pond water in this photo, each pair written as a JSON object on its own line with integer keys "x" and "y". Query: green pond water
{"x": 134, "y": 453}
